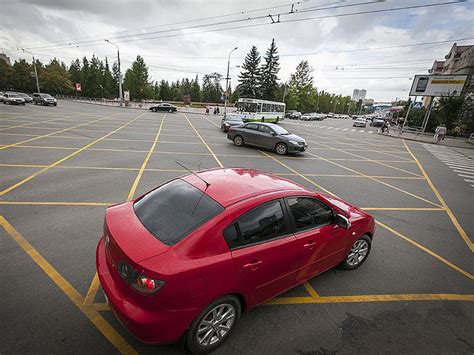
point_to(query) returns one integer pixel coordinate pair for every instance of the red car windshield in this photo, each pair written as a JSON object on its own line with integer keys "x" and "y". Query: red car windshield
{"x": 174, "y": 210}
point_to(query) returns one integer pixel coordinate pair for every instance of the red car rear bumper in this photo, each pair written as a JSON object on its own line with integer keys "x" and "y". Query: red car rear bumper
{"x": 157, "y": 326}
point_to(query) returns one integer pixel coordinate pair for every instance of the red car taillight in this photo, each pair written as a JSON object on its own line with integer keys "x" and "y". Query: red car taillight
{"x": 145, "y": 284}
{"x": 140, "y": 282}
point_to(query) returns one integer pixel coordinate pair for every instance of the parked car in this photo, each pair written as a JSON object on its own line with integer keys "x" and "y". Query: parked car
{"x": 289, "y": 113}
{"x": 306, "y": 117}
{"x": 163, "y": 106}
{"x": 189, "y": 257}
{"x": 360, "y": 122}
{"x": 2, "y": 96}
{"x": 230, "y": 120}
{"x": 27, "y": 97}
{"x": 12, "y": 98}
{"x": 295, "y": 115}
{"x": 267, "y": 135}
{"x": 44, "y": 99}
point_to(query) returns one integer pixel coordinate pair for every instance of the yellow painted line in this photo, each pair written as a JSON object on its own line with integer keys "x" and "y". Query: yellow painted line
{"x": 312, "y": 292}
{"x": 105, "y": 328}
{"x": 145, "y": 162}
{"x": 450, "y": 213}
{"x": 426, "y": 250}
{"x": 369, "y": 160}
{"x": 56, "y": 203}
{"x": 101, "y": 307}
{"x": 401, "y": 209}
{"x": 22, "y": 166}
{"x": 418, "y": 245}
{"x": 204, "y": 142}
{"x": 372, "y": 298}
{"x": 56, "y": 132}
{"x": 38, "y": 122}
{"x": 377, "y": 180}
{"x": 92, "y": 168}
{"x": 7, "y": 190}
{"x": 92, "y": 291}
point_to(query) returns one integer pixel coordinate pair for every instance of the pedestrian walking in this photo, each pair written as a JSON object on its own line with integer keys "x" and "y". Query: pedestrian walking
{"x": 207, "y": 109}
{"x": 440, "y": 133}
{"x": 215, "y": 110}
{"x": 385, "y": 126}
{"x": 218, "y": 111}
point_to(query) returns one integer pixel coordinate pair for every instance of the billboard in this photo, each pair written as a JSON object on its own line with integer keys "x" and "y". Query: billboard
{"x": 78, "y": 86}
{"x": 438, "y": 85}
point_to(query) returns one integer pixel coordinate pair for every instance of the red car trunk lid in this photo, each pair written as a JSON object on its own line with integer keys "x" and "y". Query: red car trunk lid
{"x": 128, "y": 236}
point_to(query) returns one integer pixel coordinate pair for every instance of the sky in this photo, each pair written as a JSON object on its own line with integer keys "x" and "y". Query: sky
{"x": 370, "y": 49}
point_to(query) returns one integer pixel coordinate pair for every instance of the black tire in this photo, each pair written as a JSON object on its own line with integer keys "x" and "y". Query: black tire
{"x": 281, "y": 148}
{"x": 170, "y": 111}
{"x": 238, "y": 141}
{"x": 55, "y": 104}
{"x": 346, "y": 264}
{"x": 36, "y": 103}
{"x": 192, "y": 335}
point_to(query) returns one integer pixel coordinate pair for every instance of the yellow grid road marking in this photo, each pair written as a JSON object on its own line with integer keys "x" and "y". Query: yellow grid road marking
{"x": 145, "y": 162}
{"x": 310, "y": 290}
{"x": 7, "y": 190}
{"x": 377, "y": 180}
{"x": 52, "y": 133}
{"x": 204, "y": 142}
{"x": 371, "y": 298}
{"x": 35, "y": 122}
{"x": 419, "y": 246}
{"x": 56, "y": 203}
{"x": 94, "y": 317}
{"x": 450, "y": 213}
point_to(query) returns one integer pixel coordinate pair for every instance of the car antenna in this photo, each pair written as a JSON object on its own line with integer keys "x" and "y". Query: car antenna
{"x": 192, "y": 172}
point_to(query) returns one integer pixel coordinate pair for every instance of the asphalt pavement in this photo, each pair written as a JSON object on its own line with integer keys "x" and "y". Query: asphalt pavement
{"x": 62, "y": 166}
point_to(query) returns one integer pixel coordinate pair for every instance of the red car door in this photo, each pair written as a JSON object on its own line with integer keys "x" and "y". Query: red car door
{"x": 265, "y": 251}
{"x": 321, "y": 242}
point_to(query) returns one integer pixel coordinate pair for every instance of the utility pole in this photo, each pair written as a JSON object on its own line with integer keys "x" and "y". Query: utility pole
{"x": 408, "y": 112}
{"x": 427, "y": 116}
{"x": 120, "y": 73}
{"x": 34, "y": 66}
{"x": 227, "y": 81}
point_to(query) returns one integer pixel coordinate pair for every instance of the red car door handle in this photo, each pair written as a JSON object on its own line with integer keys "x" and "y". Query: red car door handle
{"x": 310, "y": 245}
{"x": 253, "y": 264}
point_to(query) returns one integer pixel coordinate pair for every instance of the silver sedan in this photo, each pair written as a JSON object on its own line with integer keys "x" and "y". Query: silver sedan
{"x": 267, "y": 135}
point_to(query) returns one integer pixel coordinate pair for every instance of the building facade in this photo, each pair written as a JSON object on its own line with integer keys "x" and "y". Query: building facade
{"x": 359, "y": 94}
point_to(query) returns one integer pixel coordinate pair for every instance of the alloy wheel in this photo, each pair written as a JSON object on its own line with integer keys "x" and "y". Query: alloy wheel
{"x": 358, "y": 252}
{"x": 215, "y": 325}
{"x": 281, "y": 149}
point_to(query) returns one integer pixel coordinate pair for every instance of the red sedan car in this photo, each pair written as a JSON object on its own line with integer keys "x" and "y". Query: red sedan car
{"x": 187, "y": 258}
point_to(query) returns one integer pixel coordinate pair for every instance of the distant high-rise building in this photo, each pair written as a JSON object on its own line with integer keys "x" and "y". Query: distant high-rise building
{"x": 5, "y": 58}
{"x": 359, "y": 94}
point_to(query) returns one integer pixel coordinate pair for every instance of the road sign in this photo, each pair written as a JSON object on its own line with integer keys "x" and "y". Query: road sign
{"x": 438, "y": 85}
{"x": 78, "y": 86}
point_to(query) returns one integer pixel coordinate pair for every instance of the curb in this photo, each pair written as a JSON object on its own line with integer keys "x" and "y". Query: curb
{"x": 428, "y": 142}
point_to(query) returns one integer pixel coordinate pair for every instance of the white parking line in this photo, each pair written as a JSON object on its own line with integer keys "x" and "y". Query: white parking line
{"x": 345, "y": 129}
{"x": 370, "y": 132}
{"x": 329, "y": 128}
{"x": 353, "y": 130}
{"x": 361, "y": 131}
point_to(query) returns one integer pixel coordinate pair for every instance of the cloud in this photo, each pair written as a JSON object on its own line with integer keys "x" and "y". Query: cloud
{"x": 54, "y": 23}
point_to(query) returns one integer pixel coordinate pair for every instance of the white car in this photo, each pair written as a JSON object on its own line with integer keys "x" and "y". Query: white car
{"x": 360, "y": 122}
{"x": 12, "y": 98}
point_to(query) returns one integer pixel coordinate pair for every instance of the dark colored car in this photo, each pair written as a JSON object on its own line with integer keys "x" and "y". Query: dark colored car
{"x": 12, "y": 98}
{"x": 377, "y": 122}
{"x": 267, "y": 135}
{"x": 163, "y": 106}
{"x": 189, "y": 257}
{"x": 44, "y": 99}
{"x": 26, "y": 97}
{"x": 231, "y": 120}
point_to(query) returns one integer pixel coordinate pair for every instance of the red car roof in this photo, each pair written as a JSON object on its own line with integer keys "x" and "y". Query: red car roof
{"x": 231, "y": 185}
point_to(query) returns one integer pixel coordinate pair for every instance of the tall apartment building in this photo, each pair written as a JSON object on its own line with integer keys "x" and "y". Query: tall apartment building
{"x": 359, "y": 94}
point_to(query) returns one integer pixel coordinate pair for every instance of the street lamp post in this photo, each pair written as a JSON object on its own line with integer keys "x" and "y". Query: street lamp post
{"x": 227, "y": 81}
{"x": 119, "y": 73}
{"x": 34, "y": 66}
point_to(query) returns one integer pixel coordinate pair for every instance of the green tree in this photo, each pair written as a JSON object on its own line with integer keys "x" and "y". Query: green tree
{"x": 136, "y": 80}
{"x": 86, "y": 86}
{"x": 108, "y": 82}
{"x": 249, "y": 78}
{"x": 448, "y": 110}
{"x": 165, "y": 90}
{"x": 211, "y": 88}
{"x": 75, "y": 74}
{"x": 269, "y": 73}
{"x": 23, "y": 77}
{"x": 55, "y": 78}
{"x": 115, "y": 75}
{"x": 195, "y": 90}
{"x": 302, "y": 95}
{"x": 7, "y": 74}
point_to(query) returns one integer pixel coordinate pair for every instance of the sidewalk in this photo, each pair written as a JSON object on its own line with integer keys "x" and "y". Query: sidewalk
{"x": 428, "y": 138}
